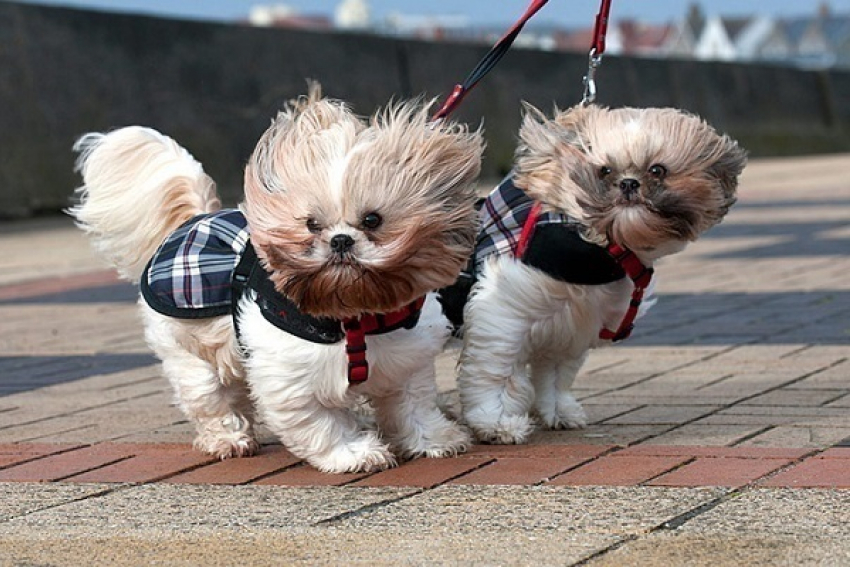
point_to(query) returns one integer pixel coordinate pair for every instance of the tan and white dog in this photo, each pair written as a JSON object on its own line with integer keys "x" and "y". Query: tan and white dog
{"x": 349, "y": 220}
{"x": 610, "y": 187}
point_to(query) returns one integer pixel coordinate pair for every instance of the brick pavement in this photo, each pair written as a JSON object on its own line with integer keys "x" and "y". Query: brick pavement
{"x": 738, "y": 377}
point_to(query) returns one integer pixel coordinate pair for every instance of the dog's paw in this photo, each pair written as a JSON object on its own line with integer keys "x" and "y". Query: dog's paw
{"x": 228, "y": 445}
{"x": 564, "y": 413}
{"x": 508, "y": 430}
{"x": 230, "y": 436}
{"x": 449, "y": 440}
{"x": 365, "y": 454}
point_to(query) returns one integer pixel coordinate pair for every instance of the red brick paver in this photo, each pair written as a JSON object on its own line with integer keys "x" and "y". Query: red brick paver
{"x": 616, "y": 470}
{"x": 54, "y": 285}
{"x": 557, "y": 465}
{"x": 62, "y": 465}
{"x": 720, "y": 471}
{"x": 14, "y": 454}
{"x": 145, "y": 463}
{"x": 273, "y": 458}
{"x": 425, "y": 473}
{"x": 830, "y": 469}
{"x": 305, "y": 475}
{"x": 528, "y": 464}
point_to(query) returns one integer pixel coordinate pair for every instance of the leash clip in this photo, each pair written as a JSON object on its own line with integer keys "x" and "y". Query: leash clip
{"x": 589, "y": 80}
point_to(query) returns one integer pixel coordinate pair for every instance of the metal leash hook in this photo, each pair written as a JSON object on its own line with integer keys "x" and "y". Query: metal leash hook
{"x": 597, "y": 48}
{"x": 589, "y": 80}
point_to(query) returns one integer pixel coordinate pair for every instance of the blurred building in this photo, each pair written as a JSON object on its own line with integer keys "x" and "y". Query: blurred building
{"x": 285, "y": 16}
{"x": 821, "y": 40}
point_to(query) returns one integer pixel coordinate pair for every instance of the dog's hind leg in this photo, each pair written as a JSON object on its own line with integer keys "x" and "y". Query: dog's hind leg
{"x": 204, "y": 373}
{"x": 495, "y": 389}
{"x": 221, "y": 413}
{"x": 554, "y": 403}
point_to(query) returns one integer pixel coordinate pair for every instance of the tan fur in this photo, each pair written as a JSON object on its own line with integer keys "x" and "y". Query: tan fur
{"x": 559, "y": 163}
{"x": 157, "y": 188}
{"x": 319, "y": 162}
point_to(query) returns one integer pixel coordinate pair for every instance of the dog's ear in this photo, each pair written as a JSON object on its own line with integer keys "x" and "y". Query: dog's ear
{"x": 551, "y": 152}
{"x": 730, "y": 162}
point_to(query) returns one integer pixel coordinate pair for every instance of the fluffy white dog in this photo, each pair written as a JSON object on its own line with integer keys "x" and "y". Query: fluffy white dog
{"x": 346, "y": 227}
{"x": 566, "y": 250}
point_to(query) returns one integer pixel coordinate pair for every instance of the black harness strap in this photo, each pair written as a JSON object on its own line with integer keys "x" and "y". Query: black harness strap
{"x": 276, "y": 308}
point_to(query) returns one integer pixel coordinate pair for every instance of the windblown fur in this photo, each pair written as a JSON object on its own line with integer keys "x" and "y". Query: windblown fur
{"x": 651, "y": 180}
{"x": 425, "y": 207}
{"x": 350, "y": 216}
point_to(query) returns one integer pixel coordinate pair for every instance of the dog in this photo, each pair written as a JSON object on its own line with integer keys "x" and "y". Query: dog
{"x": 566, "y": 249}
{"x": 313, "y": 294}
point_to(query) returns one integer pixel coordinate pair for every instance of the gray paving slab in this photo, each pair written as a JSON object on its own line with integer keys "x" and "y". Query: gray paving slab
{"x": 180, "y": 525}
{"x": 760, "y": 527}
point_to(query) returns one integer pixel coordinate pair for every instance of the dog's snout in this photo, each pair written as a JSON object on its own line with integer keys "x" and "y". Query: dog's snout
{"x": 629, "y": 186}
{"x": 341, "y": 243}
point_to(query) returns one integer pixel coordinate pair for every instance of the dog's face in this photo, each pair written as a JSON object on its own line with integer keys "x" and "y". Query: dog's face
{"x": 354, "y": 216}
{"x": 649, "y": 179}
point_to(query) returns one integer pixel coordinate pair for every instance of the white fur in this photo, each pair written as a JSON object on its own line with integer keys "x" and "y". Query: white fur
{"x": 525, "y": 337}
{"x": 139, "y": 186}
{"x": 300, "y": 391}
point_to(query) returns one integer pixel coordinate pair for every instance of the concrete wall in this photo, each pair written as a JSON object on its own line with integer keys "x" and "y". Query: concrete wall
{"x": 215, "y": 87}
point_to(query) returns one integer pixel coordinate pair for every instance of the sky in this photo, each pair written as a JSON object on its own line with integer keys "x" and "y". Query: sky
{"x": 569, "y": 13}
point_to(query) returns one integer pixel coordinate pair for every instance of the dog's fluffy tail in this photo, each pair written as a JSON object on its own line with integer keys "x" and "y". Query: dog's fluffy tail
{"x": 138, "y": 187}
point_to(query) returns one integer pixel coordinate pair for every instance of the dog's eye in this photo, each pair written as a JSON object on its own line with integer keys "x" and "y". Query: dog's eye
{"x": 604, "y": 172}
{"x": 313, "y": 225}
{"x": 372, "y": 221}
{"x": 657, "y": 170}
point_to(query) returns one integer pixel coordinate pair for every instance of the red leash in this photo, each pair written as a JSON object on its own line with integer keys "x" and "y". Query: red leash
{"x": 488, "y": 62}
{"x": 501, "y": 47}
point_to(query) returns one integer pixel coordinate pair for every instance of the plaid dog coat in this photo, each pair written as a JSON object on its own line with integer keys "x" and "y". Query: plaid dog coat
{"x": 554, "y": 246}
{"x": 205, "y": 267}
{"x": 189, "y": 276}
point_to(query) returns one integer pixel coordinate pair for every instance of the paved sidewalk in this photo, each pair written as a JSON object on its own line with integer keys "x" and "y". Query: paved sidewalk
{"x": 720, "y": 432}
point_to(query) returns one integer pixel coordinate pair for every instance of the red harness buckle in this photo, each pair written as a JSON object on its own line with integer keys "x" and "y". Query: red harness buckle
{"x": 356, "y": 329}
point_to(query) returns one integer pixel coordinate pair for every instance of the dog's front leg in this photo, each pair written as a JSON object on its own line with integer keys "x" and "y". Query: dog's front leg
{"x": 328, "y": 438}
{"x": 302, "y": 394}
{"x": 410, "y": 419}
{"x": 307, "y": 406}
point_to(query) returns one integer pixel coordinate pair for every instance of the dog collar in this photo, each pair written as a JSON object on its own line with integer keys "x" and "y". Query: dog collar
{"x": 284, "y": 314}
{"x": 627, "y": 262}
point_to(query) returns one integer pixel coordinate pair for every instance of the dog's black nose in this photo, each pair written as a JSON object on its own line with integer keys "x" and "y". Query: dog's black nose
{"x": 341, "y": 243}
{"x": 629, "y": 186}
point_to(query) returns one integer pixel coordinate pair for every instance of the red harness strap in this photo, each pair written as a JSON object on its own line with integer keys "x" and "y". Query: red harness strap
{"x": 635, "y": 270}
{"x": 356, "y": 329}
{"x": 640, "y": 276}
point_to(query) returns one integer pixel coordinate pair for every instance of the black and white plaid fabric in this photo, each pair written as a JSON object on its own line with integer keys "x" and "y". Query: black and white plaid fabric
{"x": 190, "y": 274}
{"x": 502, "y": 217}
